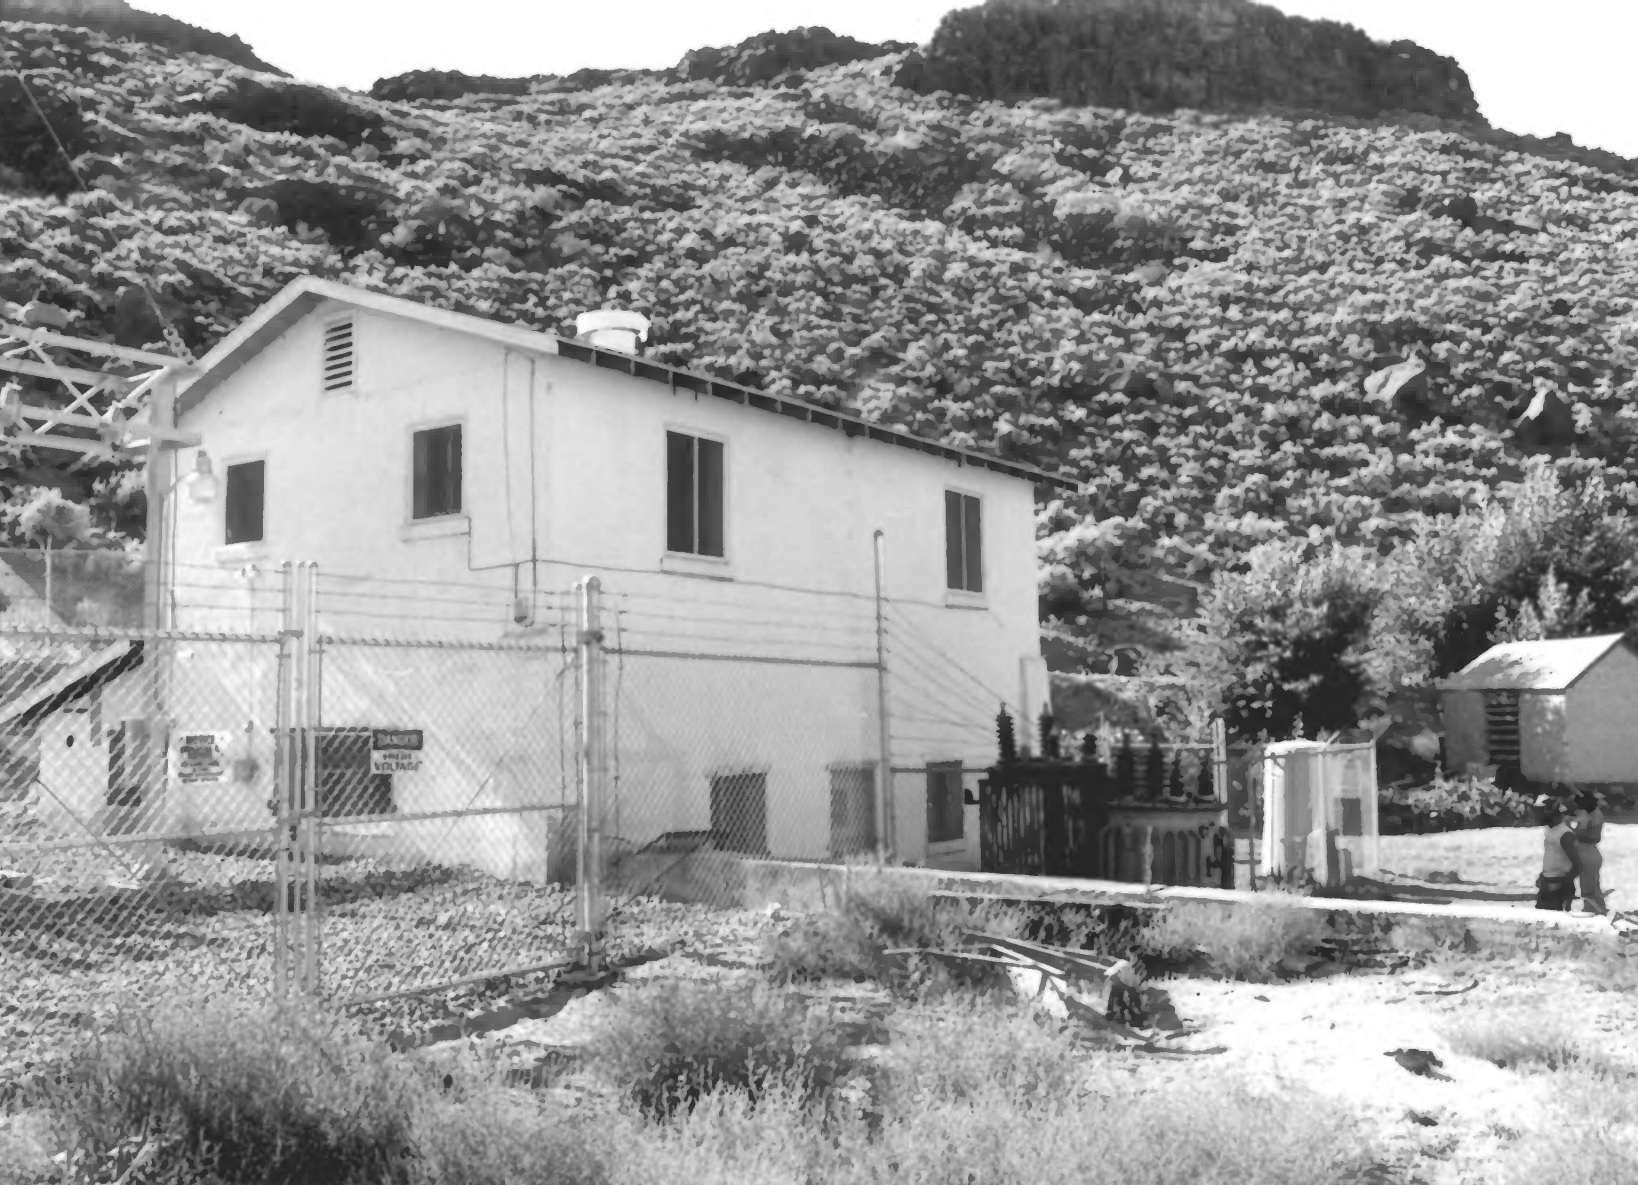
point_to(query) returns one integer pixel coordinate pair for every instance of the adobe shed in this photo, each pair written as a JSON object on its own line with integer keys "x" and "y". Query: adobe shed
{"x": 1564, "y": 710}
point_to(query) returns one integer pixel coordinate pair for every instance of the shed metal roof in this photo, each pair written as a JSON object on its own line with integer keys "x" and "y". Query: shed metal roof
{"x": 1552, "y": 665}
{"x": 301, "y": 296}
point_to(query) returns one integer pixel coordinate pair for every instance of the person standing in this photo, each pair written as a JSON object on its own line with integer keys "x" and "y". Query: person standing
{"x": 1560, "y": 857}
{"x": 1588, "y": 826}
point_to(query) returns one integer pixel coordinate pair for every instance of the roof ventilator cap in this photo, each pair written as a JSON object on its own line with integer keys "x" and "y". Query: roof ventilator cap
{"x": 612, "y": 329}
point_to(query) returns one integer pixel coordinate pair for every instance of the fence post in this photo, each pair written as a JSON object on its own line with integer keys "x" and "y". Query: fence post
{"x": 884, "y": 779}
{"x": 589, "y": 873}
{"x": 283, "y": 750}
{"x": 309, "y": 767}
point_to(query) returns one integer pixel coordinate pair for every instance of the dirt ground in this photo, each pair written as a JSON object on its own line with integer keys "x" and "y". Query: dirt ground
{"x": 1497, "y": 866}
{"x": 1333, "y": 1035}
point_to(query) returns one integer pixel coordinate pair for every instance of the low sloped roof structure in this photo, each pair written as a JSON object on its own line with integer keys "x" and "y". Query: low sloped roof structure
{"x": 1552, "y": 665}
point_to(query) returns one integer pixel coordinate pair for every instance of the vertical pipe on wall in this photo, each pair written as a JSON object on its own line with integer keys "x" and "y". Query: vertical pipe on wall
{"x": 884, "y": 779}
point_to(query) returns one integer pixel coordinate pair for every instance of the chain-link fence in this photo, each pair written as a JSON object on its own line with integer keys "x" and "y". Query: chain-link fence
{"x": 135, "y": 835}
{"x": 735, "y": 727}
{"x": 305, "y": 809}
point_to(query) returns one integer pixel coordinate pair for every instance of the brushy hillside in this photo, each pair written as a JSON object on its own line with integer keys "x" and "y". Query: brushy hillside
{"x": 1192, "y": 313}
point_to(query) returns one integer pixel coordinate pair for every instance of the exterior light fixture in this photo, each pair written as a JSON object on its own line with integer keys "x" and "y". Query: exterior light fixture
{"x": 202, "y": 481}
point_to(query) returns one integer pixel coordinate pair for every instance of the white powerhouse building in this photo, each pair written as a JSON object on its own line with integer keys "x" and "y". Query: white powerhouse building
{"x": 452, "y": 477}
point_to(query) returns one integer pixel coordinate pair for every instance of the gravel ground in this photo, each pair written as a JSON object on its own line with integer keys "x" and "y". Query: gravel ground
{"x": 75, "y": 946}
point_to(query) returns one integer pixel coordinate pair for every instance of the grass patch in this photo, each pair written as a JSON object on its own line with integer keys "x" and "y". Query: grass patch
{"x": 1590, "y": 1136}
{"x": 1534, "y": 1037}
{"x": 714, "y": 1082}
{"x": 243, "y": 1093}
{"x": 1247, "y": 941}
{"x": 978, "y": 1090}
{"x": 247, "y": 1092}
{"x": 672, "y": 1043}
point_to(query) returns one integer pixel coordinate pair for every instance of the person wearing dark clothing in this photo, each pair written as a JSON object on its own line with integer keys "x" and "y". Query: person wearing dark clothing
{"x": 1588, "y": 827}
{"x": 1560, "y": 858}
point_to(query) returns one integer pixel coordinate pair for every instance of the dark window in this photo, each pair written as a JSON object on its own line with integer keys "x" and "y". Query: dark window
{"x": 245, "y": 488}
{"x": 945, "y": 816}
{"x": 1353, "y": 817}
{"x": 739, "y": 813}
{"x": 693, "y": 489}
{"x": 338, "y": 355}
{"x": 852, "y": 810}
{"x": 344, "y": 783}
{"x": 438, "y": 472}
{"x": 963, "y": 548}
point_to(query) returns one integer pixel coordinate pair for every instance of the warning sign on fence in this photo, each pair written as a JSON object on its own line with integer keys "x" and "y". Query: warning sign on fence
{"x": 395, "y": 750}
{"x": 199, "y": 756}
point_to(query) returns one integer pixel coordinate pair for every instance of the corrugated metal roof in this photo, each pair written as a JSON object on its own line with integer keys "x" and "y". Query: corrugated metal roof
{"x": 1532, "y": 666}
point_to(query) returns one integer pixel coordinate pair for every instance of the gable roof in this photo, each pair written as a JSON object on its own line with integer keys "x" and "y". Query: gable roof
{"x": 1552, "y": 665}
{"x": 301, "y": 296}
{"x": 49, "y": 685}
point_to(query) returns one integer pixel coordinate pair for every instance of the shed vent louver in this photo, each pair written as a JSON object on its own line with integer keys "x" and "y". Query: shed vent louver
{"x": 338, "y": 355}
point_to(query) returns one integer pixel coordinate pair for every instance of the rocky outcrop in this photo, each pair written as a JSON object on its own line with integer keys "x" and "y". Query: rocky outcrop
{"x": 118, "y": 19}
{"x": 448, "y": 85}
{"x": 759, "y": 60}
{"x": 1159, "y": 55}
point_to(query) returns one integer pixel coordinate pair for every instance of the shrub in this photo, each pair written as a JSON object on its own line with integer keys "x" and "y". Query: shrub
{"x": 851, "y": 941}
{"x": 480, "y": 1131}
{"x": 258, "y": 1095}
{"x": 300, "y": 110}
{"x": 1245, "y": 942}
{"x": 1461, "y": 798}
{"x": 29, "y": 156}
{"x": 674, "y": 1042}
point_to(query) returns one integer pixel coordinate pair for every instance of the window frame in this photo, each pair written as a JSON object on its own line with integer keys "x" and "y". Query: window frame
{"x": 977, "y": 501}
{"x": 695, "y": 435}
{"x": 416, "y": 431}
{"x": 227, "y": 485}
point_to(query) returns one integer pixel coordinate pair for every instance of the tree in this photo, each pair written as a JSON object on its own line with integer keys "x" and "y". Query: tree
{"x": 1550, "y": 557}
{"x": 1285, "y": 642}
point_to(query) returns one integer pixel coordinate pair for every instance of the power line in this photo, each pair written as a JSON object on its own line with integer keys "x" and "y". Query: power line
{"x": 55, "y": 139}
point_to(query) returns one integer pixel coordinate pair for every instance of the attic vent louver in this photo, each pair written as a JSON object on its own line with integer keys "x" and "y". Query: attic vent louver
{"x": 338, "y": 355}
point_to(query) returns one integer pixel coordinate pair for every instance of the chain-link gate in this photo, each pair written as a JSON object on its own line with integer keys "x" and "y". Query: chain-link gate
{"x": 427, "y": 810}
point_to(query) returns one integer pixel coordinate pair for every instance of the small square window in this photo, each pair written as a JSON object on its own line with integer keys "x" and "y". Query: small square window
{"x": 246, "y": 487}
{"x": 693, "y": 477}
{"x": 437, "y": 472}
{"x": 963, "y": 544}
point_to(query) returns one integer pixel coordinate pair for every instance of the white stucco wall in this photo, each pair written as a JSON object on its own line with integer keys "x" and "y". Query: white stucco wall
{"x": 1602, "y": 720}
{"x": 801, "y": 503}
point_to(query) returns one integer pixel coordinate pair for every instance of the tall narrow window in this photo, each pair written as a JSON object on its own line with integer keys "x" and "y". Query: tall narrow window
{"x": 437, "y": 472}
{"x": 246, "y": 485}
{"x": 338, "y": 355}
{"x": 693, "y": 484}
{"x": 739, "y": 813}
{"x": 963, "y": 544}
{"x": 852, "y": 810}
{"x": 945, "y": 816}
